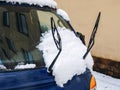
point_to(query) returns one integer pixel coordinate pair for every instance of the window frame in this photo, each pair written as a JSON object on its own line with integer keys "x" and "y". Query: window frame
{"x": 11, "y": 45}
{"x": 6, "y": 19}
{"x": 27, "y": 56}
{"x": 22, "y": 24}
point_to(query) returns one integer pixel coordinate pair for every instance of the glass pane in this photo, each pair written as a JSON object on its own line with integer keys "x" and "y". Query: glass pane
{"x": 11, "y": 45}
{"x": 45, "y": 23}
{"x": 1, "y": 39}
{"x": 6, "y": 19}
{"x": 22, "y": 24}
{"x": 19, "y": 41}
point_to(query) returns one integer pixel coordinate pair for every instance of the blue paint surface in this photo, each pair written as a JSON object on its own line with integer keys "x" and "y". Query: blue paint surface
{"x": 39, "y": 79}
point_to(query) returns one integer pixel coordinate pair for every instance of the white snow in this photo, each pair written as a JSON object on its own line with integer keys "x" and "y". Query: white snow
{"x": 63, "y": 14}
{"x": 3, "y": 67}
{"x": 26, "y": 66}
{"x": 50, "y": 3}
{"x": 70, "y": 62}
{"x": 105, "y": 82}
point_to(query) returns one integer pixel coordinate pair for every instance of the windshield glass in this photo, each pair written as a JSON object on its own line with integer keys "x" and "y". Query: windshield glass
{"x": 20, "y": 32}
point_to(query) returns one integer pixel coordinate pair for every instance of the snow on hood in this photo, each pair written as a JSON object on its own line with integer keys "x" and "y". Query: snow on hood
{"x": 70, "y": 61}
{"x": 63, "y": 14}
{"x": 50, "y": 3}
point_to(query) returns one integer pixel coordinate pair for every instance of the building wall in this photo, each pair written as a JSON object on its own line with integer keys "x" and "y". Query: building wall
{"x": 83, "y": 14}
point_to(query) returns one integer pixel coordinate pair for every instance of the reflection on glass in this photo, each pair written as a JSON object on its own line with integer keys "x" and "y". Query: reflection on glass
{"x": 23, "y": 35}
{"x": 22, "y": 23}
{"x": 6, "y": 19}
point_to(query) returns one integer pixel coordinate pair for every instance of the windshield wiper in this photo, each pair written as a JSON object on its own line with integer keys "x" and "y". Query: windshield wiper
{"x": 57, "y": 40}
{"x": 92, "y": 38}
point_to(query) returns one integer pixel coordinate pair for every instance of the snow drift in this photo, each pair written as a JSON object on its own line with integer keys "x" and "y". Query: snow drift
{"x": 70, "y": 62}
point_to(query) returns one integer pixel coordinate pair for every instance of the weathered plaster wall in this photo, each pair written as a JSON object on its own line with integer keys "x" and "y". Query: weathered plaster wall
{"x": 83, "y": 14}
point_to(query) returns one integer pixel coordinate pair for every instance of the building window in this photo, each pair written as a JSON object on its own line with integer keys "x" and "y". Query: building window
{"x": 6, "y": 54}
{"x": 11, "y": 45}
{"x": 1, "y": 39}
{"x": 6, "y": 18}
{"x": 22, "y": 24}
{"x": 1, "y": 62}
{"x": 27, "y": 56}
{"x": 1, "y": 55}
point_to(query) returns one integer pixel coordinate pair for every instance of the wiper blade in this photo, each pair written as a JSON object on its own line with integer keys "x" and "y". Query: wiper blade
{"x": 92, "y": 38}
{"x": 58, "y": 43}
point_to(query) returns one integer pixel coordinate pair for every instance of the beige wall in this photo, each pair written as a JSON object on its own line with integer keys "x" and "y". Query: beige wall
{"x": 83, "y": 14}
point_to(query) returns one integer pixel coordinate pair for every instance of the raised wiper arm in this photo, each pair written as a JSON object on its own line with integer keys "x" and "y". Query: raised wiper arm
{"x": 92, "y": 38}
{"x": 57, "y": 40}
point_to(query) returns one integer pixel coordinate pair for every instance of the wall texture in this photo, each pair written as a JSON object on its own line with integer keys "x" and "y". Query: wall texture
{"x": 83, "y": 14}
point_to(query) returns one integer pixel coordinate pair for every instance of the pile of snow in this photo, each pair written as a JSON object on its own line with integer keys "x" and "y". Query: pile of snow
{"x": 105, "y": 82}
{"x": 63, "y": 14}
{"x": 70, "y": 61}
{"x": 50, "y": 3}
{"x": 26, "y": 66}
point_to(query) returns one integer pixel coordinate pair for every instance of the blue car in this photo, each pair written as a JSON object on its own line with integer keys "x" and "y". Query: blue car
{"x": 22, "y": 65}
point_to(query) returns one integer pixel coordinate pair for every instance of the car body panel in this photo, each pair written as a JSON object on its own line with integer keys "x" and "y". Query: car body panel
{"x": 40, "y": 79}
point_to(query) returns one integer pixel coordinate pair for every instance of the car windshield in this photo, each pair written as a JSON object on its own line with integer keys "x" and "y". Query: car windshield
{"x": 20, "y": 32}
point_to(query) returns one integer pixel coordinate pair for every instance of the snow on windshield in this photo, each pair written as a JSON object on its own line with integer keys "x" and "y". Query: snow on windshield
{"x": 26, "y": 66}
{"x": 63, "y": 14}
{"x": 2, "y": 67}
{"x": 70, "y": 61}
{"x": 50, "y": 3}
{"x": 41, "y": 3}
